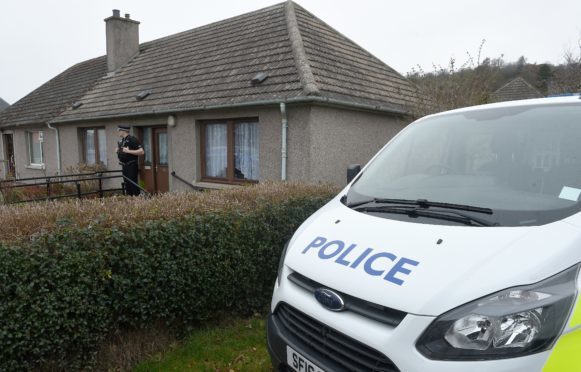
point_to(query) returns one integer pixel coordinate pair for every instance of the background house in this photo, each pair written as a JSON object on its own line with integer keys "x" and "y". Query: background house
{"x": 272, "y": 94}
{"x": 515, "y": 89}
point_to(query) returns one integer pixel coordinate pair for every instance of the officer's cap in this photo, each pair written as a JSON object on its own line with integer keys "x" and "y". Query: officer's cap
{"x": 124, "y": 128}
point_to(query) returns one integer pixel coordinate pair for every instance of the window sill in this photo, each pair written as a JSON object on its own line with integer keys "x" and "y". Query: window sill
{"x": 215, "y": 185}
{"x": 36, "y": 166}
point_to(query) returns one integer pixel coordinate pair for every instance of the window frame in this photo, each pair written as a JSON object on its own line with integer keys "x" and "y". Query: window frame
{"x": 230, "y": 165}
{"x": 83, "y": 136}
{"x": 29, "y": 134}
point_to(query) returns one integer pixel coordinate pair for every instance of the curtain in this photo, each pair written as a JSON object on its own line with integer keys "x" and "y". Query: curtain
{"x": 102, "y": 146}
{"x": 216, "y": 150}
{"x": 246, "y": 151}
{"x": 90, "y": 146}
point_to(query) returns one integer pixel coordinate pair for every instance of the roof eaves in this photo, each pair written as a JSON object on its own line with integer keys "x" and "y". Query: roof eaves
{"x": 295, "y": 100}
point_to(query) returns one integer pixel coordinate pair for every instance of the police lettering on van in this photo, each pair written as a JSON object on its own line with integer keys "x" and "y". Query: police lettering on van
{"x": 373, "y": 263}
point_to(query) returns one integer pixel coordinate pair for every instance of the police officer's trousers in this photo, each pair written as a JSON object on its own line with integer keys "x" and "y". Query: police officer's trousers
{"x": 130, "y": 172}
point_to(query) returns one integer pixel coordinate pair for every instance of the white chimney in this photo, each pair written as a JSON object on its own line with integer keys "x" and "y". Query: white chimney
{"x": 122, "y": 40}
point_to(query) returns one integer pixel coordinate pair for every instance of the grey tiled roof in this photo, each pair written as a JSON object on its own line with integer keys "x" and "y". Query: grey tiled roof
{"x": 515, "y": 89}
{"x": 212, "y": 66}
{"x": 344, "y": 70}
{"x": 3, "y": 104}
{"x": 209, "y": 65}
{"x": 51, "y": 98}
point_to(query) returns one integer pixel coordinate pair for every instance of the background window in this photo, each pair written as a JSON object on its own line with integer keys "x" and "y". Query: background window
{"x": 230, "y": 150}
{"x": 35, "y": 154}
{"x": 94, "y": 146}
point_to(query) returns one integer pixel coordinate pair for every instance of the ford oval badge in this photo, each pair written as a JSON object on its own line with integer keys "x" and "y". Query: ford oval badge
{"x": 329, "y": 299}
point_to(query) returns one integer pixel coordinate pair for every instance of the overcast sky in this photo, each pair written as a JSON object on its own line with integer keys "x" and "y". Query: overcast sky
{"x": 39, "y": 38}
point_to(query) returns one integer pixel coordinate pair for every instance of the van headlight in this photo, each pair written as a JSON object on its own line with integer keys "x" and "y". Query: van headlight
{"x": 511, "y": 323}
{"x": 281, "y": 262}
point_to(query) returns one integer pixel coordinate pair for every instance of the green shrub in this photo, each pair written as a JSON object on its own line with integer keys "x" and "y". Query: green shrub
{"x": 71, "y": 285}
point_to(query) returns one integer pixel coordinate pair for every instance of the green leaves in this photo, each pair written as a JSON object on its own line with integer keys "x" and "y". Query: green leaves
{"x": 65, "y": 291}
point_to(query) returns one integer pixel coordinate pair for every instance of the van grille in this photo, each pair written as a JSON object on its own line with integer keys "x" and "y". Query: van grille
{"x": 367, "y": 309}
{"x": 319, "y": 340}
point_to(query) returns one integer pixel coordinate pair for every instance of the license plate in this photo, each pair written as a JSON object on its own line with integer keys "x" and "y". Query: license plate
{"x": 299, "y": 363}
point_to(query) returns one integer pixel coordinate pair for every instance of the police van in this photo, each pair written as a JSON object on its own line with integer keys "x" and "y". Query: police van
{"x": 456, "y": 248}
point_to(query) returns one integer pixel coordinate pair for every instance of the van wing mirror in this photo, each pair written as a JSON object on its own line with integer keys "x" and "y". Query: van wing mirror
{"x": 353, "y": 171}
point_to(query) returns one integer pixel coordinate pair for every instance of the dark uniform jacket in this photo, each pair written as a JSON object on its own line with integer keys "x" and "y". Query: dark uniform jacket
{"x": 133, "y": 144}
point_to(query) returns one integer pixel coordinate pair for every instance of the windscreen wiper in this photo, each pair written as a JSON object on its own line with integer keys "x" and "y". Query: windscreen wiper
{"x": 451, "y": 215}
{"x": 422, "y": 203}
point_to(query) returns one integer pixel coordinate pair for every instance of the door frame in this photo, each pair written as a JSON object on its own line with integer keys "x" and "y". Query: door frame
{"x": 9, "y": 159}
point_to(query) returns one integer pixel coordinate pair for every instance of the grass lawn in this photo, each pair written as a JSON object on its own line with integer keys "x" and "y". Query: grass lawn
{"x": 234, "y": 345}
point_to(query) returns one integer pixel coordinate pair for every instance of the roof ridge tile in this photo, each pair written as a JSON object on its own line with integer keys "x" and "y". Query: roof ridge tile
{"x": 298, "y": 47}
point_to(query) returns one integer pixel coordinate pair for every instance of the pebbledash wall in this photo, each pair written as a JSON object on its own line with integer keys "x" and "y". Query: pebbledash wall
{"x": 341, "y": 137}
{"x": 321, "y": 142}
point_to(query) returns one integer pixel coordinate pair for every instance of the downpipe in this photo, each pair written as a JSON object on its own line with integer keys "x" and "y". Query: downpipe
{"x": 58, "y": 147}
{"x": 284, "y": 141}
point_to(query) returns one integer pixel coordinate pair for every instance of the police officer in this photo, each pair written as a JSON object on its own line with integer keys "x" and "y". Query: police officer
{"x": 128, "y": 150}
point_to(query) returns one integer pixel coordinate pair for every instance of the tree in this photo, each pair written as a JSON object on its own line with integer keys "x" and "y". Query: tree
{"x": 520, "y": 64}
{"x": 567, "y": 77}
{"x": 449, "y": 87}
{"x": 544, "y": 76}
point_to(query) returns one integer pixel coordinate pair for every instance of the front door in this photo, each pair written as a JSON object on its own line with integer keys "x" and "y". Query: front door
{"x": 161, "y": 159}
{"x": 154, "y": 164}
{"x": 9, "y": 155}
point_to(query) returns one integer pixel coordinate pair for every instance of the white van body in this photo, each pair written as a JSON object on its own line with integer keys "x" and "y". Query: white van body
{"x": 359, "y": 289}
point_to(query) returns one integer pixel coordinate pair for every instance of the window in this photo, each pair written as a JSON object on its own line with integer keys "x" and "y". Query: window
{"x": 230, "y": 150}
{"x": 94, "y": 146}
{"x": 163, "y": 149}
{"x": 35, "y": 147}
{"x": 147, "y": 147}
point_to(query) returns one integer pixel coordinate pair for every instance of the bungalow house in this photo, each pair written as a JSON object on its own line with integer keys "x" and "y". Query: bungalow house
{"x": 269, "y": 95}
{"x": 515, "y": 89}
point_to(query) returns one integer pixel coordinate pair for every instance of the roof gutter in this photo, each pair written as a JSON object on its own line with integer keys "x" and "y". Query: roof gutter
{"x": 311, "y": 99}
{"x": 58, "y": 147}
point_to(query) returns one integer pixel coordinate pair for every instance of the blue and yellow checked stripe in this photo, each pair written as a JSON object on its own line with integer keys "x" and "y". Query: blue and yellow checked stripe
{"x": 566, "y": 355}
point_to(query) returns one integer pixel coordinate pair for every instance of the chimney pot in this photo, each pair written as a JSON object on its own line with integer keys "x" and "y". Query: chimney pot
{"x": 116, "y": 13}
{"x": 127, "y": 15}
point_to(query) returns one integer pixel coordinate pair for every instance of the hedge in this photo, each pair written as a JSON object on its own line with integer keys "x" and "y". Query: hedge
{"x": 68, "y": 288}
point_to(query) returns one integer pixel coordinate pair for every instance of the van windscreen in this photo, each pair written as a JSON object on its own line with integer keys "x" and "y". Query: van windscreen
{"x": 523, "y": 162}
